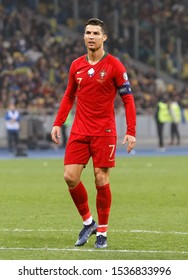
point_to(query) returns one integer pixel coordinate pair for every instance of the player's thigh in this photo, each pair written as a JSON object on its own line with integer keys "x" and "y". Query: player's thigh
{"x": 103, "y": 151}
{"x": 77, "y": 150}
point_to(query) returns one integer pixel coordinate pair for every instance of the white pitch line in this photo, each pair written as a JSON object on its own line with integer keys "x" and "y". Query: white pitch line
{"x": 117, "y": 231}
{"x": 92, "y": 250}
{"x": 158, "y": 232}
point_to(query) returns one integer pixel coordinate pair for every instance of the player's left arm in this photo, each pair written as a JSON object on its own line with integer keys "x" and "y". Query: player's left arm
{"x": 125, "y": 91}
{"x": 130, "y": 112}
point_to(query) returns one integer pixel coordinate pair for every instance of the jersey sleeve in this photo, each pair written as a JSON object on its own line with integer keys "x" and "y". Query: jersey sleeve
{"x": 67, "y": 99}
{"x": 130, "y": 112}
{"x": 126, "y": 93}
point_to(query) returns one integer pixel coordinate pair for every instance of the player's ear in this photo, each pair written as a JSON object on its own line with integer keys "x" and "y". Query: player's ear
{"x": 104, "y": 37}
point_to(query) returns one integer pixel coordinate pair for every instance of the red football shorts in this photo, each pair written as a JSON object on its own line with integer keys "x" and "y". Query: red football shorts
{"x": 80, "y": 148}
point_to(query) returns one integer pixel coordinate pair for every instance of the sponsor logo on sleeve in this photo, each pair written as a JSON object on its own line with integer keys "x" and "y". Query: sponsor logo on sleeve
{"x": 125, "y": 76}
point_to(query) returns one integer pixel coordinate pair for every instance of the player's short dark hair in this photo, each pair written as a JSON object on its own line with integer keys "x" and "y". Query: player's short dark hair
{"x": 96, "y": 21}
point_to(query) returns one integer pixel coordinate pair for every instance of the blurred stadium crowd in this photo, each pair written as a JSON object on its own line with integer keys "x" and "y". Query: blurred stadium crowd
{"x": 35, "y": 53}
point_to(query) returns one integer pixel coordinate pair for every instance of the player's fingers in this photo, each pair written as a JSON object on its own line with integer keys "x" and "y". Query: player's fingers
{"x": 131, "y": 145}
{"x": 55, "y": 136}
{"x": 125, "y": 140}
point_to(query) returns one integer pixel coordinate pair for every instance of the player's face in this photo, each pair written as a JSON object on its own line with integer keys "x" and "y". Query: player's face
{"x": 94, "y": 37}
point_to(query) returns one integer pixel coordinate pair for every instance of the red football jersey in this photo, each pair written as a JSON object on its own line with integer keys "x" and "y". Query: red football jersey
{"x": 94, "y": 87}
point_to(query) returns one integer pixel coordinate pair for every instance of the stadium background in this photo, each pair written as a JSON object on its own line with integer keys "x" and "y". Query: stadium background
{"x": 39, "y": 39}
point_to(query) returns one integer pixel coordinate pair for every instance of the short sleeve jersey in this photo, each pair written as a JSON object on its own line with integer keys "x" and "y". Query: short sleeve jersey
{"x": 95, "y": 88}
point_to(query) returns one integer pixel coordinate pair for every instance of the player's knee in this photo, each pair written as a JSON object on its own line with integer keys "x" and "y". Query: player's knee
{"x": 101, "y": 177}
{"x": 70, "y": 178}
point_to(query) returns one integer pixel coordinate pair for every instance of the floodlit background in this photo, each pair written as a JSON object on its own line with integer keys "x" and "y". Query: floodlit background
{"x": 39, "y": 39}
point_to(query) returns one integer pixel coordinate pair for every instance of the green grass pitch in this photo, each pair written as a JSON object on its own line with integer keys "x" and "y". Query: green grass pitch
{"x": 148, "y": 221}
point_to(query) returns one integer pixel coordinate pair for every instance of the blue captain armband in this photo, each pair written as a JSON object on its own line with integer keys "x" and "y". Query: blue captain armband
{"x": 125, "y": 89}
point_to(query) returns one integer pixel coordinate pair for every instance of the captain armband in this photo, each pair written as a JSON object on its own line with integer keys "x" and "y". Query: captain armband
{"x": 125, "y": 89}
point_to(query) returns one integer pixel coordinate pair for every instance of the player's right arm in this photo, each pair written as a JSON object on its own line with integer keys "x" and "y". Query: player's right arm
{"x": 67, "y": 100}
{"x": 65, "y": 107}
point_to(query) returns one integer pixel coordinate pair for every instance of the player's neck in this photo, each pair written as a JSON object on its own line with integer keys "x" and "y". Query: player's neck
{"x": 95, "y": 57}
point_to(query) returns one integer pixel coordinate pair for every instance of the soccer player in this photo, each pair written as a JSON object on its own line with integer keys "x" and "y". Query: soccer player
{"x": 94, "y": 80}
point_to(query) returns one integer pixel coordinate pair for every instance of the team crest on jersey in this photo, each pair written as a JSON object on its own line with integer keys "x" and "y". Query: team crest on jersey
{"x": 102, "y": 74}
{"x": 125, "y": 76}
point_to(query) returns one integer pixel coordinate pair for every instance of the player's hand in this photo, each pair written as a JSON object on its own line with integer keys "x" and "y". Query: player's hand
{"x": 131, "y": 142}
{"x": 56, "y": 134}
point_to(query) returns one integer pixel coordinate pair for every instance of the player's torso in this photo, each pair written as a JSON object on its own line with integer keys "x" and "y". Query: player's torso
{"x": 95, "y": 81}
{"x": 96, "y": 91}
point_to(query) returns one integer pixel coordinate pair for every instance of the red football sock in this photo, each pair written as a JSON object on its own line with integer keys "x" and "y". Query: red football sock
{"x": 80, "y": 198}
{"x": 103, "y": 204}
